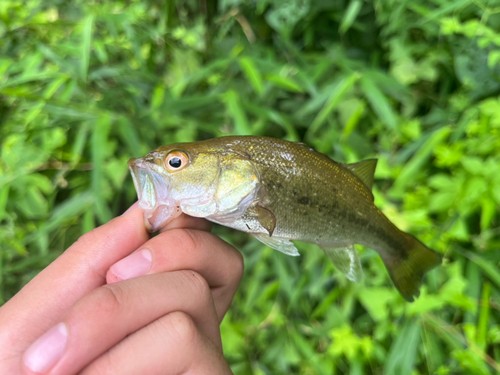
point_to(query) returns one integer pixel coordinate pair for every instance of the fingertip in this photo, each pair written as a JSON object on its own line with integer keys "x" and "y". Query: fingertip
{"x": 131, "y": 208}
{"x": 136, "y": 264}
{"x": 111, "y": 277}
{"x": 134, "y": 214}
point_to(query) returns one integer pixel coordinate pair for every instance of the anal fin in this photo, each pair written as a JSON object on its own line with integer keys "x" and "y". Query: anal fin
{"x": 281, "y": 244}
{"x": 346, "y": 260}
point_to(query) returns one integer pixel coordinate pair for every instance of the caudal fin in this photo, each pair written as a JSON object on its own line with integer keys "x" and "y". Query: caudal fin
{"x": 408, "y": 270}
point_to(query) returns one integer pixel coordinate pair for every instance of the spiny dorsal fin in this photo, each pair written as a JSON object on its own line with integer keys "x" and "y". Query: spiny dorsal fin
{"x": 364, "y": 170}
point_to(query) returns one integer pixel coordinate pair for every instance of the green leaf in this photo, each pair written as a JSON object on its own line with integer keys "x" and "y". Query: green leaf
{"x": 86, "y": 45}
{"x": 379, "y": 102}
{"x": 489, "y": 269}
{"x": 354, "y": 119}
{"x": 129, "y": 135}
{"x": 4, "y": 195}
{"x": 158, "y": 96}
{"x": 67, "y": 210}
{"x": 403, "y": 352}
{"x": 376, "y": 301}
{"x": 99, "y": 144}
{"x": 488, "y": 211}
{"x": 473, "y": 165}
{"x": 338, "y": 93}
{"x": 235, "y": 110}
{"x": 484, "y": 316}
{"x": 408, "y": 174}
{"x": 350, "y": 15}
{"x": 285, "y": 83}
{"x": 252, "y": 74}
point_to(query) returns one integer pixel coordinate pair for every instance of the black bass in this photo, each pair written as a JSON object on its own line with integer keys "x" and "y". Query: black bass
{"x": 280, "y": 191}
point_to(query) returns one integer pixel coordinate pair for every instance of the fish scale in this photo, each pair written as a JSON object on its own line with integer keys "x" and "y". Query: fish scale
{"x": 311, "y": 210}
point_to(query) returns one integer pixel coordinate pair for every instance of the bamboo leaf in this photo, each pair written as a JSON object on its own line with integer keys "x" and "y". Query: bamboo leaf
{"x": 233, "y": 105}
{"x": 407, "y": 176}
{"x": 285, "y": 83}
{"x": 350, "y": 15}
{"x": 338, "y": 93}
{"x": 489, "y": 269}
{"x": 86, "y": 46}
{"x": 403, "y": 352}
{"x": 99, "y": 144}
{"x": 252, "y": 74}
{"x": 484, "y": 316}
{"x": 379, "y": 102}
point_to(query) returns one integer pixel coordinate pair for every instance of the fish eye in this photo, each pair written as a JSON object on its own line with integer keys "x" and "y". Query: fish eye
{"x": 176, "y": 161}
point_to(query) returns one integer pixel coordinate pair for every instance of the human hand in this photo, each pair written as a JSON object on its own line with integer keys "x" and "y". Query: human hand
{"x": 104, "y": 308}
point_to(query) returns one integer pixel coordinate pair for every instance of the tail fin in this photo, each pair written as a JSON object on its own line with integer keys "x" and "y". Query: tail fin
{"x": 408, "y": 270}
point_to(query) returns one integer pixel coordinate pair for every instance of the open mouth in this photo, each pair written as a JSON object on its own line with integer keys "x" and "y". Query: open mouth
{"x": 152, "y": 191}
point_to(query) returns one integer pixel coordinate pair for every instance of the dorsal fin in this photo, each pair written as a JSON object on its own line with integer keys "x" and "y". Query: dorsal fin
{"x": 364, "y": 170}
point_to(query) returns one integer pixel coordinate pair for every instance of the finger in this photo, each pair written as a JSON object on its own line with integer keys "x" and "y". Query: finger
{"x": 186, "y": 221}
{"x": 171, "y": 345}
{"x": 218, "y": 262}
{"x": 80, "y": 269}
{"x": 106, "y": 316}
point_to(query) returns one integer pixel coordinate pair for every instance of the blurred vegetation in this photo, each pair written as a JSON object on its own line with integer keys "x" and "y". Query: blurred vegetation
{"x": 86, "y": 85}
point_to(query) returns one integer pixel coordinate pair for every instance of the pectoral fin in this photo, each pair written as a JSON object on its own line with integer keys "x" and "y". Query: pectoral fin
{"x": 346, "y": 260}
{"x": 276, "y": 243}
{"x": 265, "y": 217}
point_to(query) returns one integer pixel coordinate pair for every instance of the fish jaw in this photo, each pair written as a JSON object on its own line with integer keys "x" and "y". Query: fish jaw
{"x": 152, "y": 188}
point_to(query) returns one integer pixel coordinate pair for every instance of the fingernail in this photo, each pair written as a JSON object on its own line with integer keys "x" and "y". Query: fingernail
{"x": 131, "y": 208}
{"x": 136, "y": 264}
{"x": 47, "y": 350}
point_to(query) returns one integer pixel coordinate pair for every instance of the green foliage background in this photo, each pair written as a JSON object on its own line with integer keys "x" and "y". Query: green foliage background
{"x": 85, "y": 85}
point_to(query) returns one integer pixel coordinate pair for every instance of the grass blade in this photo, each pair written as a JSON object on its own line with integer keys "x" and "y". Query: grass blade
{"x": 407, "y": 176}
{"x": 484, "y": 316}
{"x": 379, "y": 102}
{"x": 338, "y": 93}
{"x": 86, "y": 44}
{"x": 491, "y": 270}
{"x": 350, "y": 15}
{"x": 403, "y": 351}
{"x": 72, "y": 207}
{"x": 285, "y": 83}
{"x": 99, "y": 142}
{"x": 232, "y": 101}
{"x": 252, "y": 74}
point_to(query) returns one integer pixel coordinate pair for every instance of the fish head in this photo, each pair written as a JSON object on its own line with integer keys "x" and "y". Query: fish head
{"x": 170, "y": 176}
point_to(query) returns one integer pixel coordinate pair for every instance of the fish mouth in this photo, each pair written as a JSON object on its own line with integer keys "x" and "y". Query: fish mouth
{"x": 152, "y": 190}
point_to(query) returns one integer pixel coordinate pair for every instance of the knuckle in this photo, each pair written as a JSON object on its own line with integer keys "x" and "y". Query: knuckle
{"x": 184, "y": 239}
{"x": 239, "y": 265}
{"x": 201, "y": 289}
{"x": 110, "y": 298}
{"x": 88, "y": 239}
{"x": 181, "y": 327}
{"x": 104, "y": 365}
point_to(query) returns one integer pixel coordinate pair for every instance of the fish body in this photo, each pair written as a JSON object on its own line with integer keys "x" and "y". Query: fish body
{"x": 280, "y": 191}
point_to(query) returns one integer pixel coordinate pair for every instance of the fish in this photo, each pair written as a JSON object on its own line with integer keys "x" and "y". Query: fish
{"x": 280, "y": 191}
